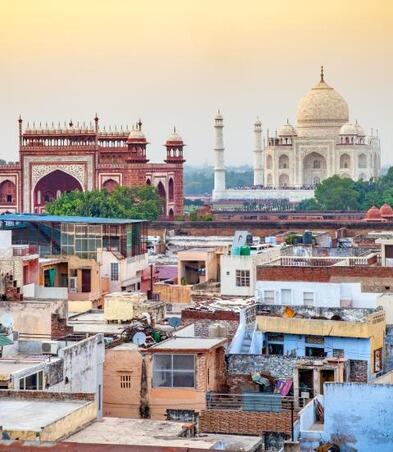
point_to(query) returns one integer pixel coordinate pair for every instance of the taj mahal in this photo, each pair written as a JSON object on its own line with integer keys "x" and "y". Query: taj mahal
{"x": 290, "y": 163}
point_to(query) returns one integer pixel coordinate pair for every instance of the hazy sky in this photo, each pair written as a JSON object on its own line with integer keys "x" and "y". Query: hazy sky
{"x": 177, "y": 61}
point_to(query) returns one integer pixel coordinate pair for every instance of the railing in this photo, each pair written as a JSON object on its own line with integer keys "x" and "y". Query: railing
{"x": 322, "y": 261}
{"x": 251, "y": 401}
{"x": 24, "y": 250}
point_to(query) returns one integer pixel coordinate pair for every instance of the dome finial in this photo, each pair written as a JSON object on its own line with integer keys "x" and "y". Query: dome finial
{"x": 322, "y": 74}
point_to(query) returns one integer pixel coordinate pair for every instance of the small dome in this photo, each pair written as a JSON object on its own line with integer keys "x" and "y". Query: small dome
{"x": 174, "y": 137}
{"x": 286, "y": 130}
{"x": 373, "y": 213}
{"x": 349, "y": 129}
{"x": 136, "y": 135}
{"x": 386, "y": 211}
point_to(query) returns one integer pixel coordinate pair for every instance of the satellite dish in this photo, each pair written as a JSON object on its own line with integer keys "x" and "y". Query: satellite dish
{"x": 148, "y": 317}
{"x": 139, "y": 338}
{"x": 174, "y": 321}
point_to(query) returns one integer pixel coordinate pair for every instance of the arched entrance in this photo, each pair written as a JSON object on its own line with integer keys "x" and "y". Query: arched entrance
{"x": 110, "y": 185}
{"x": 171, "y": 190}
{"x": 7, "y": 192}
{"x": 171, "y": 214}
{"x": 162, "y": 193}
{"x": 314, "y": 168}
{"x": 52, "y": 186}
{"x": 283, "y": 180}
{"x": 148, "y": 182}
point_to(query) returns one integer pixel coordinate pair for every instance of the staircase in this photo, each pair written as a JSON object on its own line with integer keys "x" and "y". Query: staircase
{"x": 246, "y": 344}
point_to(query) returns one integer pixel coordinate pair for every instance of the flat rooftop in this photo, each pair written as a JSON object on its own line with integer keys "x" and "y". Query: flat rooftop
{"x": 146, "y": 432}
{"x": 94, "y": 322}
{"x": 9, "y": 366}
{"x": 34, "y": 414}
{"x": 188, "y": 343}
{"x": 41, "y": 218}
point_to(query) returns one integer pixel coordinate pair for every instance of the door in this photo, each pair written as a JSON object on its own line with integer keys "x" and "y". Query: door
{"x": 86, "y": 280}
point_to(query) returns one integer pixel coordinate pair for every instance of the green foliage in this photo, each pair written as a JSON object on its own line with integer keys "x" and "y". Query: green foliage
{"x": 139, "y": 203}
{"x": 337, "y": 193}
{"x": 342, "y": 193}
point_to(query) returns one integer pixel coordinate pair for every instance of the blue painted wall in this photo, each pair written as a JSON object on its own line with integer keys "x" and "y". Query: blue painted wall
{"x": 358, "y": 416}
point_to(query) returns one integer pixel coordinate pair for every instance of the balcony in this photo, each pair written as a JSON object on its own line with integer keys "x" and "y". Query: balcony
{"x": 24, "y": 250}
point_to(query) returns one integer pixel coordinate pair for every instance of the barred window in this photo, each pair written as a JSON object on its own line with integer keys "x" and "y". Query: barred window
{"x": 308, "y": 298}
{"x": 243, "y": 278}
{"x": 125, "y": 381}
{"x": 268, "y": 296}
{"x": 114, "y": 271}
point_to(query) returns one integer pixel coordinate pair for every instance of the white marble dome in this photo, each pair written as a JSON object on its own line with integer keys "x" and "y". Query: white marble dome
{"x": 286, "y": 130}
{"x": 321, "y": 108}
{"x": 349, "y": 129}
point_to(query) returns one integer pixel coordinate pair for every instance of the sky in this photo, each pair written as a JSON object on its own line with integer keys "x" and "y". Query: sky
{"x": 175, "y": 62}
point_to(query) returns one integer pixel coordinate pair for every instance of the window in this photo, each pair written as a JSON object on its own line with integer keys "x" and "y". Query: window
{"x": 338, "y": 353}
{"x": 316, "y": 352}
{"x": 125, "y": 381}
{"x": 243, "y": 278}
{"x": 308, "y": 298}
{"x": 378, "y": 360}
{"x": 286, "y": 296}
{"x": 34, "y": 382}
{"x": 276, "y": 349}
{"x": 114, "y": 271}
{"x": 174, "y": 371}
{"x": 316, "y": 164}
{"x": 268, "y": 296}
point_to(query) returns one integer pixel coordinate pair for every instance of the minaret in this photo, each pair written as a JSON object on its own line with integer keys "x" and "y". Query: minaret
{"x": 258, "y": 154}
{"x": 219, "y": 167}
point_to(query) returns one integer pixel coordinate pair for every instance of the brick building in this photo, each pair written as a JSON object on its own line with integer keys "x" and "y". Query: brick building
{"x": 53, "y": 160}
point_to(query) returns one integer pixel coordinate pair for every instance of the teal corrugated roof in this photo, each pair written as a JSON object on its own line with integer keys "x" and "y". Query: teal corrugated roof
{"x": 42, "y": 218}
{"x": 4, "y": 340}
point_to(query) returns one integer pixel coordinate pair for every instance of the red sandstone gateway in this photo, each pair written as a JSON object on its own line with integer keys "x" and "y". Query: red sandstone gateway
{"x": 54, "y": 160}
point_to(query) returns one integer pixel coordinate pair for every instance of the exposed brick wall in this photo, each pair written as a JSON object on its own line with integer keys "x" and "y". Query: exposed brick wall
{"x": 322, "y": 274}
{"x": 206, "y": 315}
{"x": 244, "y": 423}
{"x": 59, "y": 327}
{"x": 358, "y": 371}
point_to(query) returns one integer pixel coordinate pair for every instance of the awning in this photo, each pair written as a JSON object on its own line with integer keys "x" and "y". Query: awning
{"x": 4, "y": 340}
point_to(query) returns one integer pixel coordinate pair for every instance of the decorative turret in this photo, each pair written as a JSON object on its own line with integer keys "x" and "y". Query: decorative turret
{"x": 219, "y": 166}
{"x": 174, "y": 148}
{"x": 136, "y": 143}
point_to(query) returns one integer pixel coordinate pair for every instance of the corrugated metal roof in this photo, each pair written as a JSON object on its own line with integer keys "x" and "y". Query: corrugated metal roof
{"x": 42, "y": 218}
{"x": 4, "y": 340}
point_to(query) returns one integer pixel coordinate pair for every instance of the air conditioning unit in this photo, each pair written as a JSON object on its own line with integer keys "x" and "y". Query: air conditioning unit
{"x": 73, "y": 284}
{"x": 49, "y": 348}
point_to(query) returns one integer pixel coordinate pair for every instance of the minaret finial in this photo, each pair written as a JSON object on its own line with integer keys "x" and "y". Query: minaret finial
{"x": 174, "y": 129}
{"x": 322, "y": 74}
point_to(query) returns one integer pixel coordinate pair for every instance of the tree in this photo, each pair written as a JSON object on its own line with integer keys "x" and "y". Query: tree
{"x": 139, "y": 203}
{"x": 337, "y": 193}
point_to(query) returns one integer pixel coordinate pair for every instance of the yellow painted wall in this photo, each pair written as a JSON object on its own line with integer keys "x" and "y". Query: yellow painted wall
{"x": 79, "y": 306}
{"x": 69, "y": 424}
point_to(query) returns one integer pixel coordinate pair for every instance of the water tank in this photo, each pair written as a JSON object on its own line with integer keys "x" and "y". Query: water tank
{"x": 235, "y": 251}
{"x": 245, "y": 251}
{"x": 307, "y": 238}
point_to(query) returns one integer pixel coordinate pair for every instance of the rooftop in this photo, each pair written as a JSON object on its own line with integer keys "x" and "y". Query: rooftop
{"x": 146, "y": 432}
{"x": 31, "y": 414}
{"x": 41, "y": 218}
{"x": 9, "y": 366}
{"x": 188, "y": 343}
{"x": 94, "y": 322}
